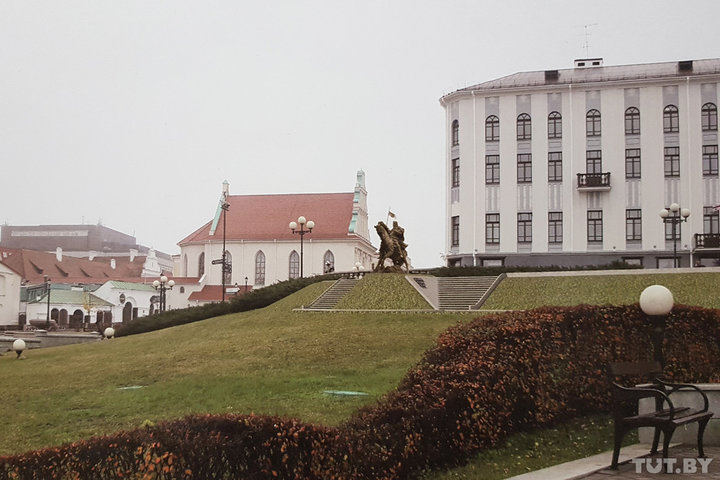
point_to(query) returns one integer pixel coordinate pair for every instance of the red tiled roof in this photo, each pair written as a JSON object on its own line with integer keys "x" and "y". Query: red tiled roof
{"x": 266, "y": 217}
{"x": 213, "y": 293}
{"x": 33, "y": 265}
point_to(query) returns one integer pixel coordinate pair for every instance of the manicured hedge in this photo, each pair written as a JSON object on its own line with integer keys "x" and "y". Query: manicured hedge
{"x": 482, "y": 381}
{"x": 252, "y": 300}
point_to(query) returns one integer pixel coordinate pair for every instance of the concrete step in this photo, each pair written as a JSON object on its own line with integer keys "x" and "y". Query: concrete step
{"x": 333, "y": 295}
{"x": 461, "y": 293}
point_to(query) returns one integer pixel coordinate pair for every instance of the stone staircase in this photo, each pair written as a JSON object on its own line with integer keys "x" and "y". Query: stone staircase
{"x": 462, "y": 293}
{"x": 334, "y": 294}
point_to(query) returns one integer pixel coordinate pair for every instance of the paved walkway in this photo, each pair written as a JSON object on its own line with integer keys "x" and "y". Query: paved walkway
{"x": 638, "y": 465}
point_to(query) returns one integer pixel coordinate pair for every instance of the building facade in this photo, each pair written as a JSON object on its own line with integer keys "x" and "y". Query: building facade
{"x": 81, "y": 241}
{"x": 572, "y": 167}
{"x": 260, "y": 247}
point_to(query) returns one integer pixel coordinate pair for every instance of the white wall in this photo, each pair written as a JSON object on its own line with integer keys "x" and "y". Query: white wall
{"x": 9, "y": 296}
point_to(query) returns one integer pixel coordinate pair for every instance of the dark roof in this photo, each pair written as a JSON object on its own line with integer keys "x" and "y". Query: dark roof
{"x": 599, "y": 74}
{"x": 266, "y": 217}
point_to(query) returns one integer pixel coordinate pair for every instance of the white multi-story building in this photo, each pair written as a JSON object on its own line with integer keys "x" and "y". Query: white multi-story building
{"x": 572, "y": 167}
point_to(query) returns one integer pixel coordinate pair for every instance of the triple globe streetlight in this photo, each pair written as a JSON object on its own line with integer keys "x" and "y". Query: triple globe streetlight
{"x": 302, "y": 223}
{"x": 162, "y": 286}
{"x": 671, "y": 216}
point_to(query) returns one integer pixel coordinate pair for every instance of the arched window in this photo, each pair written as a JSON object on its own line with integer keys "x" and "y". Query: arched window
{"x": 592, "y": 123}
{"x": 228, "y": 270}
{"x": 492, "y": 129}
{"x": 260, "y": 268}
{"x": 294, "y": 271}
{"x": 328, "y": 262}
{"x": 709, "y": 117}
{"x": 632, "y": 121}
{"x": 671, "y": 120}
{"x": 201, "y": 264}
{"x": 455, "y": 133}
{"x": 554, "y": 125}
{"x": 524, "y": 130}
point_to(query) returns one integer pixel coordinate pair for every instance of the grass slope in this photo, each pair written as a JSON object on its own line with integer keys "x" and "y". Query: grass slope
{"x": 384, "y": 291}
{"x": 532, "y": 292}
{"x": 269, "y": 361}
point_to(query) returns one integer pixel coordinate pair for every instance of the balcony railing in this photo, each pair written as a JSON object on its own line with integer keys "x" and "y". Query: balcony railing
{"x": 593, "y": 181}
{"x": 707, "y": 240}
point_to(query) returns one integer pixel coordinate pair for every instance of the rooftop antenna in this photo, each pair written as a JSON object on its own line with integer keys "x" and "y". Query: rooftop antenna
{"x": 586, "y": 44}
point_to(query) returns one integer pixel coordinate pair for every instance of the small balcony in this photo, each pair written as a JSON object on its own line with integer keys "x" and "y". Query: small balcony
{"x": 593, "y": 182}
{"x": 707, "y": 240}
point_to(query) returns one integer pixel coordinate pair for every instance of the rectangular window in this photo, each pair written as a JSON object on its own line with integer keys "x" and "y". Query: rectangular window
{"x": 555, "y": 227}
{"x": 554, "y": 125}
{"x": 669, "y": 226}
{"x": 492, "y": 228}
{"x": 555, "y": 167}
{"x": 595, "y": 225}
{"x": 633, "y": 224}
{"x": 593, "y": 161}
{"x": 711, "y": 220}
{"x": 710, "y": 160}
{"x": 456, "y": 172}
{"x": 492, "y": 169}
{"x": 524, "y": 227}
{"x": 455, "y": 232}
{"x": 524, "y": 168}
{"x": 632, "y": 163}
{"x": 672, "y": 161}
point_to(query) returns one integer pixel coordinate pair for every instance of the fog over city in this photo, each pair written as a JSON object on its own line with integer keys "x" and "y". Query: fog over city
{"x": 133, "y": 113}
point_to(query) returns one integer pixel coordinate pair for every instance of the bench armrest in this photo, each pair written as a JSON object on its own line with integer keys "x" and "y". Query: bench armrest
{"x": 674, "y": 387}
{"x": 637, "y": 393}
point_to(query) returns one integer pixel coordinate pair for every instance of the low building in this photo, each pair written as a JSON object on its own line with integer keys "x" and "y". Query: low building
{"x": 81, "y": 241}
{"x": 10, "y": 281}
{"x": 260, "y": 247}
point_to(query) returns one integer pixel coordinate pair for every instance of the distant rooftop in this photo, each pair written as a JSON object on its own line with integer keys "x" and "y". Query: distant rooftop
{"x": 587, "y": 72}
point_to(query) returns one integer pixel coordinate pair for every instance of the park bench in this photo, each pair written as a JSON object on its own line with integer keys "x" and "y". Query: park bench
{"x": 665, "y": 418}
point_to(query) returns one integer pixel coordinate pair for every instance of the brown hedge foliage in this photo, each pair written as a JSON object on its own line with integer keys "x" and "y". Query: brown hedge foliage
{"x": 482, "y": 381}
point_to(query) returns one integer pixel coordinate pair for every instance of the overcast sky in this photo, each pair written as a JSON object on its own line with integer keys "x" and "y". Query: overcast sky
{"x": 132, "y": 113}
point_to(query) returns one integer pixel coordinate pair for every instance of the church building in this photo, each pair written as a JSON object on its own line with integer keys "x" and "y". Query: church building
{"x": 261, "y": 248}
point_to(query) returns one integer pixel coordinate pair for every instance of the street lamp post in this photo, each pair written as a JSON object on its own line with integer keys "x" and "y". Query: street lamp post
{"x": 162, "y": 286}
{"x": 47, "y": 289}
{"x": 225, "y": 267}
{"x": 657, "y": 302}
{"x": 670, "y": 216}
{"x": 302, "y": 223}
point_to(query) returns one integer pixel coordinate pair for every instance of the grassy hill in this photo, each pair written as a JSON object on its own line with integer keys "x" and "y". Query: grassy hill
{"x": 270, "y": 361}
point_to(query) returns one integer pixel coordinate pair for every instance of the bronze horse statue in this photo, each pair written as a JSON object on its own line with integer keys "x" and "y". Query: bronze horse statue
{"x": 392, "y": 246}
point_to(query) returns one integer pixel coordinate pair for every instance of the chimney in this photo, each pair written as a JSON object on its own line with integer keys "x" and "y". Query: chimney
{"x": 588, "y": 62}
{"x": 226, "y": 189}
{"x": 58, "y": 254}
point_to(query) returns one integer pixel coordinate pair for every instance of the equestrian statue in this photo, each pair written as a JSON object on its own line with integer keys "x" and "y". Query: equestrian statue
{"x": 392, "y": 246}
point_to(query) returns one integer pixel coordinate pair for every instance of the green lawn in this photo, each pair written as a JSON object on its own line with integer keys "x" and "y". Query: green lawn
{"x": 275, "y": 361}
{"x": 269, "y": 361}
{"x": 532, "y": 292}
{"x": 529, "y": 451}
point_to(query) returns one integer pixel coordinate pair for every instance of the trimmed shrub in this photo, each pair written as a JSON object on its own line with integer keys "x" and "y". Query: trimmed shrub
{"x": 482, "y": 381}
{"x": 252, "y": 300}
